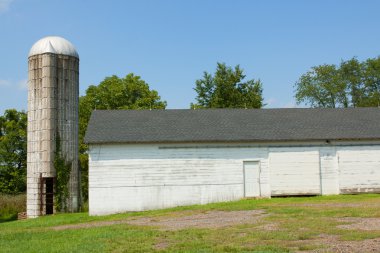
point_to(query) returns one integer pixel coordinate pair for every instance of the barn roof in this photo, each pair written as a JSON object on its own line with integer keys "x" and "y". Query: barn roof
{"x": 233, "y": 125}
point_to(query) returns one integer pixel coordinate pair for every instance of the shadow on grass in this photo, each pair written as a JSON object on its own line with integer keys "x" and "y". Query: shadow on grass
{"x": 9, "y": 217}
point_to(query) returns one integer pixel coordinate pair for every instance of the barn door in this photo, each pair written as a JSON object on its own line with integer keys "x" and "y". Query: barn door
{"x": 251, "y": 179}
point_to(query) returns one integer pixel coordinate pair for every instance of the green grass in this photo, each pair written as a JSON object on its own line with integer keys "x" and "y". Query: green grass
{"x": 10, "y": 205}
{"x": 299, "y": 221}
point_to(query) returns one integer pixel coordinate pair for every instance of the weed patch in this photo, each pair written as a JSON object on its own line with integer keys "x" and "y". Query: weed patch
{"x": 10, "y": 205}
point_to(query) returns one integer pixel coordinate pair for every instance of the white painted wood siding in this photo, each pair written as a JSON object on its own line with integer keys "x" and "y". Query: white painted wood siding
{"x": 359, "y": 169}
{"x": 141, "y": 177}
{"x": 329, "y": 171}
{"x": 294, "y": 173}
{"x": 138, "y": 177}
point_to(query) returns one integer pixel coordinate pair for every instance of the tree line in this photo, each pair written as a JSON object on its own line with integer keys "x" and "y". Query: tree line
{"x": 351, "y": 84}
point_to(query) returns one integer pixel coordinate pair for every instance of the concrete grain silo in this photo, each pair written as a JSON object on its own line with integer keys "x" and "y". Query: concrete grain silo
{"x": 53, "y": 93}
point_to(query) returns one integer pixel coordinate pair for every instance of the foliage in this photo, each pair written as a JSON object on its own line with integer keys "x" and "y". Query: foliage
{"x": 13, "y": 151}
{"x": 352, "y": 84}
{"x": 130, "y": 92}
{"x": 62, "y": 170}
{"x": 11, "y": 205}
{"x": 83, "y": 166}
{"x": 290, "y": 224}
{"x": 227, "y": 89}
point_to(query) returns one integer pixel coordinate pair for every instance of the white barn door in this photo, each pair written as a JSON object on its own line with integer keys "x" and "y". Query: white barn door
{"x": 359, "y": 169}
{"x": 295, "y": 173}
{"x": 251, "y": 179}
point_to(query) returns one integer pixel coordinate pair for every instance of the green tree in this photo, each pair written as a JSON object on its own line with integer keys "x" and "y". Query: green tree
{"x": 322, "y": 87}
{"x": 371, "y": 82}
{"x": 351, "y": 75}
{"x": 352, "y": 84}
{"x": 227, "y": 89}
{"x": 13, "y": 151}
{"x": 130, "y": 92}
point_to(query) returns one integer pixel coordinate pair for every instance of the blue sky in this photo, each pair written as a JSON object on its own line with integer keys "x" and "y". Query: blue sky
{"x": 170, "y": 43}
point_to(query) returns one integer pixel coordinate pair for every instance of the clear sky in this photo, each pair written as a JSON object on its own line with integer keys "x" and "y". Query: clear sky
{"x": 170, "y": 43}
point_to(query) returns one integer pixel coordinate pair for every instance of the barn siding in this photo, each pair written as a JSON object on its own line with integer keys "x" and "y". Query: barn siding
{"x": 359, "y": 170}
{"x": 142, "y": 177}
{"x": 329, "y": 170}
{"x": 294, "y": 171}
{"x": 138, "y": 177}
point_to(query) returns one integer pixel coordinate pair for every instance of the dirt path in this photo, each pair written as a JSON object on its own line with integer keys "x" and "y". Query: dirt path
{"x": 211, "y": 219}
{"x": 332, "y": 243}
{"x": 360, "y": 223}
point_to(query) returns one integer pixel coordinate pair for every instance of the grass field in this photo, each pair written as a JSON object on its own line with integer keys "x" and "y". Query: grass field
{"x": 346, "y": 223}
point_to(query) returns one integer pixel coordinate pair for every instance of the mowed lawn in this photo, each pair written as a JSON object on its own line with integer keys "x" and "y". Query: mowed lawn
{"x": 345, "y": 223}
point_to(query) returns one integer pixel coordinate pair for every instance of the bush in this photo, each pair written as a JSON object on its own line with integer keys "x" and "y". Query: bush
{"x": 10, "y": 205}
{"x": 84, "y": 207}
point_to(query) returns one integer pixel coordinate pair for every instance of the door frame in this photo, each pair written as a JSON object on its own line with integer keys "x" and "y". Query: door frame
{"x": 44, "y": 195}
{"x": 243, "y": 171}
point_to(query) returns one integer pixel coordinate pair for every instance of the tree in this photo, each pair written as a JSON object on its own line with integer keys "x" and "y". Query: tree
{"x": 322, "y": 87}
{"x": 13, "y": 151}
{"x": 351, "y": 75}
{"x": 130, "y": 92}
{"x": 352, "y": 84}
{"x": 371, "y": 82}
{"x": 226, "y": 89}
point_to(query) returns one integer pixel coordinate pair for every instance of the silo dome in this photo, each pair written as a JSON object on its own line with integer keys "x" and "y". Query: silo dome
{"x": 54, "y": 45}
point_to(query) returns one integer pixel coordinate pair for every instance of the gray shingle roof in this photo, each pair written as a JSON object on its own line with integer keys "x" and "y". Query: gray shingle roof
{"x": 233, "y": 125}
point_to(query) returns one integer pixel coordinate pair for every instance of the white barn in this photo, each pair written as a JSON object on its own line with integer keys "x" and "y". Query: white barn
{"x": 141, "y": 160}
